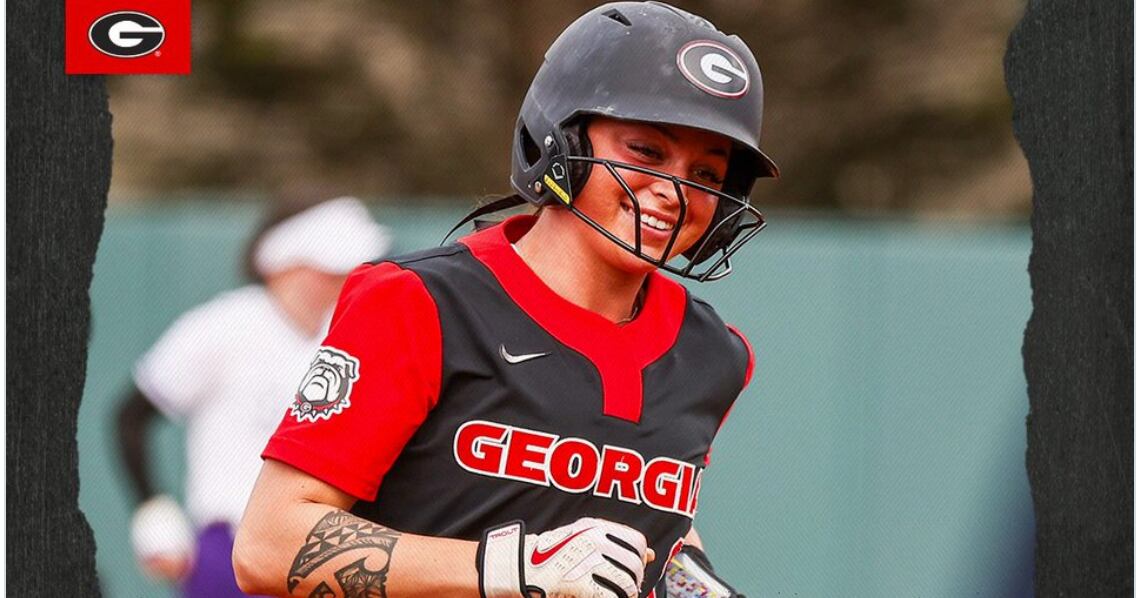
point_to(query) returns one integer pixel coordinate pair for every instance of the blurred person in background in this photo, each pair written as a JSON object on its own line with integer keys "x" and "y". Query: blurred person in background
{"x": 225, "y": 370}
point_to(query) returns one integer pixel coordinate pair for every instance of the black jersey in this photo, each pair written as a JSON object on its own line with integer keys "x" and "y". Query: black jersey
{"x": 456, "y": 391}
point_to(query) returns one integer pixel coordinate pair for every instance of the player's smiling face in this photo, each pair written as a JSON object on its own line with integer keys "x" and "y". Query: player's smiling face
{"x": 692, "y": 154}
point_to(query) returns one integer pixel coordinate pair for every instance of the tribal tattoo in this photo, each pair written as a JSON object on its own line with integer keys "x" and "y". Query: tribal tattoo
{"x": 336, "y": 533}
{"x": 358, "y": 580}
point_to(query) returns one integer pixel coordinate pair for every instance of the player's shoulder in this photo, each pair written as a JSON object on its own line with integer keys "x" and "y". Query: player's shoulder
{"x": 700, "y": 309}
{"x": 227, "y": 307}
{"x": 434, "y": 256}
{"x": 250, "y": 295}
{"x": 447, "y": 266}
{"x": 701, "y": 313}
{"x": 222, "y": 319}
{"x": 729, "y": 335}
{"x": 403, "y": 277}
{"x": 451, "y": 261}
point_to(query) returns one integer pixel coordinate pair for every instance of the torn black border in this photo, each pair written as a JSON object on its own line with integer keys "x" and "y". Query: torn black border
{"x": 1069, "y": 69}
{"x": 59, "y": 168}
{"x": 1070, "y": 72}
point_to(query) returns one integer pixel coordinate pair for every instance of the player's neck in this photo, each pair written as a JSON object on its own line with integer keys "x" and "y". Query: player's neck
{"x": 574, "y": 273}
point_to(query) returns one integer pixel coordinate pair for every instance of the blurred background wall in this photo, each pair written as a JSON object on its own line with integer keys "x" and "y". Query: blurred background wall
{"x": 879, "y": 451}
{"x": 878, "y": 106}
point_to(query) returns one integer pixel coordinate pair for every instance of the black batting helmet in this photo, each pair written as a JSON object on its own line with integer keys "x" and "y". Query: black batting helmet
{"x": 653, "y": 63}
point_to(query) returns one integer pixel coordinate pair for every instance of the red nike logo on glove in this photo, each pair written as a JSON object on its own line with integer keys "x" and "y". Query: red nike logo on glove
{"x": 538, "y": 557}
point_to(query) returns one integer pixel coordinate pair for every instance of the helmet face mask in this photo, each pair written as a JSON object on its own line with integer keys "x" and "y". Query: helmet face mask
{"x": 734, "y": 223}
{"x": 652, "y": 63}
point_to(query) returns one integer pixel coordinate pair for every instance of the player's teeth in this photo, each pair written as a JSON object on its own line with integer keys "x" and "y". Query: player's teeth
{"x": 654, "y": 222}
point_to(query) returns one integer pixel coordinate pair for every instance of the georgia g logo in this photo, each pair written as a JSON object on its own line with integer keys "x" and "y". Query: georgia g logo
{"x": 714, "y": 68}
{"x": 126, "y": 34}
{"x": 327, "y": 387}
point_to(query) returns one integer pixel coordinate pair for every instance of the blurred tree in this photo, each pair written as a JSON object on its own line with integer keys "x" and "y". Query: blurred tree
{"x": 871, "y": 106}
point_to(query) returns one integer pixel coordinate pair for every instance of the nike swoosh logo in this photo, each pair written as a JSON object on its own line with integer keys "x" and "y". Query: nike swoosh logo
{"x": 538, "y": 557}
{"x": 517, "y": 358}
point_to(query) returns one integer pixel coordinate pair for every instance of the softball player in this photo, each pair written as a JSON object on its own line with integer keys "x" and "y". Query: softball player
{"x": 529, "y": 411}
{"x": 221, "y": 370}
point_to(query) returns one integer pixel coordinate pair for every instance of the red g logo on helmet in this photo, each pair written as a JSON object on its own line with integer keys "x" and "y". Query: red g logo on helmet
{"x": 714, "y": 68}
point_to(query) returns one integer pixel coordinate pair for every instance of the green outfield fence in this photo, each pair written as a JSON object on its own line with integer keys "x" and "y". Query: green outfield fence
{"x": 879, "y": 451}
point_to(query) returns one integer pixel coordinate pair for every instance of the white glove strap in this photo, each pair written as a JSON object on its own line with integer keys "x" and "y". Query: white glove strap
{"x": 500, "y": 561}
{"x": 160, "y": 528}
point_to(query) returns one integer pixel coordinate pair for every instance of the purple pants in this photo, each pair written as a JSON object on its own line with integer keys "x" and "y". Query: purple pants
{"x": 212, "y": 576}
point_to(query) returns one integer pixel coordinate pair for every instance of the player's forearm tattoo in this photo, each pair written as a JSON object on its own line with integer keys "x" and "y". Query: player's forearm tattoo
{"x": 322, "y": 591}
{"x": 336, "y": 533}
{"x": 358, "y": 580}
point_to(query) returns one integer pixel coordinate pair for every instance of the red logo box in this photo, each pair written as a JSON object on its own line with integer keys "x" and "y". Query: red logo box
{"x": 127, "y": 37}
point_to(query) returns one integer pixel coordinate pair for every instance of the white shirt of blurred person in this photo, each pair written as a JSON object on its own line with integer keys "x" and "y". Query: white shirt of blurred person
{"x": 226, "y": 370}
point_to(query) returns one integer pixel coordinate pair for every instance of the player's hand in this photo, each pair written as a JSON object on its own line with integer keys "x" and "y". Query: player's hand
{"x": 589, "y": 558}
{"x": 162, "y": 539}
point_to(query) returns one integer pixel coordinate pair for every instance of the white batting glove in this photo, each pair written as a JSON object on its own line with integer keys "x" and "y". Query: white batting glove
{"x": 160, "y": 531}
{"x": 589, "y": 558}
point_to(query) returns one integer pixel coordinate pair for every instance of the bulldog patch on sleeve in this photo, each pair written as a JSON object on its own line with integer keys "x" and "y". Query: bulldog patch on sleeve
{"x": 327, "y": 387}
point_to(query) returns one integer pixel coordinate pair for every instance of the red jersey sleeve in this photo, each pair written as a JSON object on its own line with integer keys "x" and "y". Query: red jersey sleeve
{"x": 370, "y": 386}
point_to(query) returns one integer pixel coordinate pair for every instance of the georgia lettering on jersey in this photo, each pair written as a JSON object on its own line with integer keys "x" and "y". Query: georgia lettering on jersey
{"x": 575, "y": 465}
